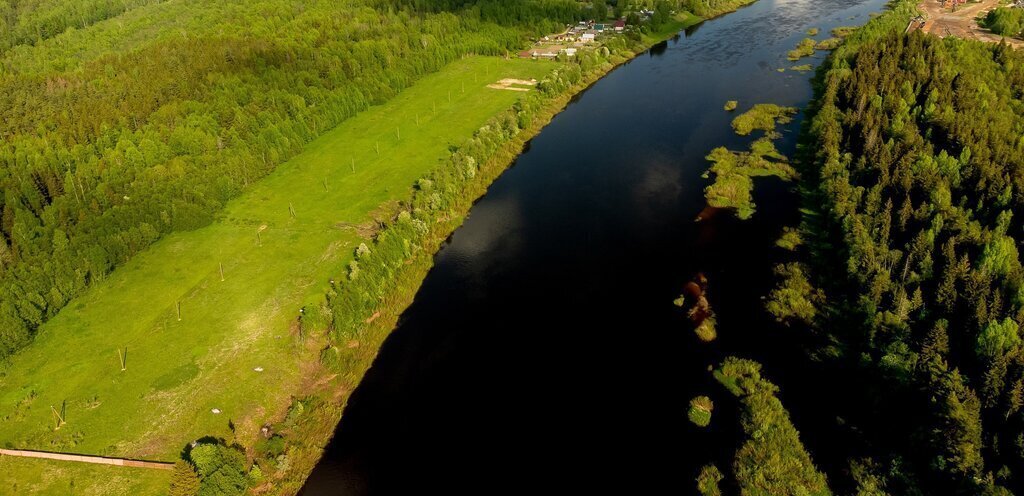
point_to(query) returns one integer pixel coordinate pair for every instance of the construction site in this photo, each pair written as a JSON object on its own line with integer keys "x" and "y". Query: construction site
{"x": 958, "y": 18}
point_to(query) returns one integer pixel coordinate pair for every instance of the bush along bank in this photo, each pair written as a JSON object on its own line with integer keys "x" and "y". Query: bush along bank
{"x": 363, "y": 306}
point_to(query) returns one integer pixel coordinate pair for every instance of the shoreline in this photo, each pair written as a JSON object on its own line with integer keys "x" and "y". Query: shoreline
{"x": 313, "y": 434}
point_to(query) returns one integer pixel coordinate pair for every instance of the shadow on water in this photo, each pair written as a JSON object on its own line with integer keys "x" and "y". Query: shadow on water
{"x": 543, "y": 350}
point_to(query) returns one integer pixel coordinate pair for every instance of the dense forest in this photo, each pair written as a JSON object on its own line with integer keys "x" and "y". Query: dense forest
{"x": 27, "y": 22}
{"x": 118, "y": 134}
{"x": 909, "y": 272}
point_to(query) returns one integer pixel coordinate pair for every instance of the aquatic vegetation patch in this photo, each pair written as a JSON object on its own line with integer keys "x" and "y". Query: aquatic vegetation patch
{"x": 707, "y": 481}
{"x": 733, "y": 171}
{"x": 700, "y": 411}
{"x": 829, "y": 44}
{"x": 843, "y": 31}
{"x": 763, "y": 117}
{"x": 804, "y": 49}
{"x": 731, "y": 105}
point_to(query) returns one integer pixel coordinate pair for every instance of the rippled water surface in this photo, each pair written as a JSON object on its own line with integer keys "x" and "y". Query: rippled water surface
{"x": 543, "y": 351}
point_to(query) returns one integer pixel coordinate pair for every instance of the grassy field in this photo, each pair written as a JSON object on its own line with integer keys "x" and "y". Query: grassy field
{"x": 46, "y": 478}
{"x": 178, "y": 370}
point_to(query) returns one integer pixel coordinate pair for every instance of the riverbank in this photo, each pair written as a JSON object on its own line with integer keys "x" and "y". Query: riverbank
{"x": 322, "y": 409}
{"x": 209, "y": 331}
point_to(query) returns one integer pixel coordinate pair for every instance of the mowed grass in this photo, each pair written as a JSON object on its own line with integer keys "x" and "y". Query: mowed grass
{"x": 179, "y": 370}
{"x": 46, "y": 478}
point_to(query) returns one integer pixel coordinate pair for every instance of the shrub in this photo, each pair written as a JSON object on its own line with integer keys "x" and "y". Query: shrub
{"x": 700, "y": 411}
{"x": 707, "y": 481}
{"x": 270, "y": 448}
{"x": 706, "y": 331}
{"x": 222, "y": 470}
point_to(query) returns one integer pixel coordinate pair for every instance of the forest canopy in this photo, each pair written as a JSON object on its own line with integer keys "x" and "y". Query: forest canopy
{"x": 910, "y": 272}
{"x": 118, "y": 134}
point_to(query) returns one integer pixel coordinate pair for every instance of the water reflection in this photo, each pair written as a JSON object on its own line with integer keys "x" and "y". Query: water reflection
{"x": 543, "y": 347}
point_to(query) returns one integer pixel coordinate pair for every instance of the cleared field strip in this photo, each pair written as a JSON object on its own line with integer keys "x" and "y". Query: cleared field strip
{"x": 206, "y": 316}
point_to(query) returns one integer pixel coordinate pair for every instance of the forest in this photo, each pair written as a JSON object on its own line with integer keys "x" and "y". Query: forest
{"x": 908, "y": 271}
{"x": 122, "y": 133}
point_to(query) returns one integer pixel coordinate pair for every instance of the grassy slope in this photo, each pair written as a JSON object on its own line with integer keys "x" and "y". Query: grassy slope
{"x": 178, "y": 371}
{"x": 46, "y": 478}
{"x": 169, "y": 404}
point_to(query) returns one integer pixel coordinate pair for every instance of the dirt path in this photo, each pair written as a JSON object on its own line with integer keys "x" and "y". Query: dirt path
{"x": 942, "y": 21}
{"x": 102, "y": 460}
{"x": 513, "y": 84}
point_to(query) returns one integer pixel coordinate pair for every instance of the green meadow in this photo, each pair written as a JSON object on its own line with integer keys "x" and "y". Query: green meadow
{"x": 49, "y": 478}
{"x": 199, "y": 342}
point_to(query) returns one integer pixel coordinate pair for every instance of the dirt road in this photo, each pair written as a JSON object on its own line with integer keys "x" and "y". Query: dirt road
{"x": 942, "y": 21}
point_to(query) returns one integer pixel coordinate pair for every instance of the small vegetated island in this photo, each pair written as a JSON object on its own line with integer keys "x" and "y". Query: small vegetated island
{"x": 213, "y": 213}
{"x": 734, "y": 171}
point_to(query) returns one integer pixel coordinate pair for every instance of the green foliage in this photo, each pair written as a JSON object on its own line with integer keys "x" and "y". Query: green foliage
{"x": 734, "y": 172}
{"x": 829, "y": 43}
{"x": 998, "y": 338}
{"x": 772, "y": 460}
{"x": 707, "y": 330}
{"x": 448, "y": 189}
{"x": 802, "y": 68}
{"x": 813, "y": 32}
{"x": 731, "y": 105}
{"x": 248, "y": 314}
{"x": 803, "y": 49}
{"x": 110, "y": 142}
{"x": 30, "y": 22}
{"x": 713, "y": 8}
{"x": 270, "y": 448}
{"x": 763, "y": 117}
{"x": 222, "y": 469}
{"x": 794, "y": 299}
{"x": 700, "y": 411}
{"x": 1000, "y": 257}
{"x": 708, "y": 479}
{"x": 844, "y": 31}
{"x": 1005, "y": 21}
{"x": 790, "y": 239}
{"x": 184, "y": 480}
{"x": 914, "y": 161}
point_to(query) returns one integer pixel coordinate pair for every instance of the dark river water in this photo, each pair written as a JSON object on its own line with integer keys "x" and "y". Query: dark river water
{"x": 543, "y": 352}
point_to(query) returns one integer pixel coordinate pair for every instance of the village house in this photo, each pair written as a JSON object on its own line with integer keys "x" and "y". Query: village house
{"x": 620, "y": 24}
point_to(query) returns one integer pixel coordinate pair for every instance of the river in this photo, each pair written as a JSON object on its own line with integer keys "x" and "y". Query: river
{"x": 543, "y": 351}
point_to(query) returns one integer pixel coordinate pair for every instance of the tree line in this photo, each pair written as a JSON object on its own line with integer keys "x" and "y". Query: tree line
{"x": 125, "y": 144}
{"x": 909, "y": 271}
